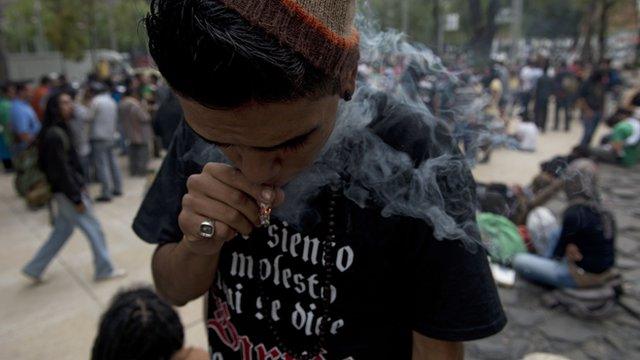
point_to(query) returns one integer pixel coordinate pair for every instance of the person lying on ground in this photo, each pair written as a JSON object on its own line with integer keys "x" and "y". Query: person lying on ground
{"x": 622, "y": 145}
{"x": 583, "y": 253}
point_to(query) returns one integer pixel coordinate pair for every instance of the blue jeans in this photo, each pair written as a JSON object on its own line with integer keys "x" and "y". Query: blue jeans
{"x": 66, "y": 221}
{"x": 106, "y": 166}
{"x": 543, "y": 269}
{"x": 590, "y": 125}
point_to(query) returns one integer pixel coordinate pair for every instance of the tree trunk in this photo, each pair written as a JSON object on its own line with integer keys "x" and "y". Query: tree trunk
{"x": 437, "y": 27}
{"x": 589, "y": 19}
{"x": 604, "y": 27}
{"x": 4, "y": 68}
{"x": 483, "y": 31}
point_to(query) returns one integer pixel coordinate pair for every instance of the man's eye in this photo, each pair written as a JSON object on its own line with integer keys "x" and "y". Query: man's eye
{"x": 296, "y": 146}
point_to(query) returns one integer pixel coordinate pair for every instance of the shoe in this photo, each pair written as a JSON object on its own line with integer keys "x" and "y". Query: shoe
{"x": 117, "y": 193}
{"x": 115, "y": 274}
{"x": 103, "y": 199}
{"x": 35, "y": 279}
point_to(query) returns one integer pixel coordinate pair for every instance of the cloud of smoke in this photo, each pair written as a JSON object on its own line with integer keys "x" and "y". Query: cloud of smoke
{"x": 361, "y": 159}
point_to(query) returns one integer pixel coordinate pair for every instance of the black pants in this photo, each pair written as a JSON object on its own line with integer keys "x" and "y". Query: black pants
{"x": 8, "y": 164}
{"x": 541, "y": 111}
{"x": 560, "y": 106}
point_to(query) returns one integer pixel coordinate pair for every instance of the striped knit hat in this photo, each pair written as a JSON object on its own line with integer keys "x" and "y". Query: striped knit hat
{"x": 320, "y": 30}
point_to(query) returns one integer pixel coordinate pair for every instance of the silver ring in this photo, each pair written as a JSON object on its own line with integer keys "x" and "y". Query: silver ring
{"x": 207, "y": 229}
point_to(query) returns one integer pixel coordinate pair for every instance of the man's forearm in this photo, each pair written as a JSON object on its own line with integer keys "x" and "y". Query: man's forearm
{"x": 430, "y": 349}
{"x": 180, "y": 275}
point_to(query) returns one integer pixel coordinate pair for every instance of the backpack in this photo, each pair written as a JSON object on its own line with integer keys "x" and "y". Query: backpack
{"x": 31, "y": 182}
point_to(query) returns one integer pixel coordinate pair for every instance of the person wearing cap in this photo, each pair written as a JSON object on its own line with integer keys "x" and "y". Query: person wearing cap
{"x": 261, "y": 83}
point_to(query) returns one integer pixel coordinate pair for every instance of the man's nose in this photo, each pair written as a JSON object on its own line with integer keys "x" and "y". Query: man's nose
{"x": 260, "y": 167}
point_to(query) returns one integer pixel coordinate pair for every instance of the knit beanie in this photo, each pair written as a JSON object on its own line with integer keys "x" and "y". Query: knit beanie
{"x": 322, "y": 31}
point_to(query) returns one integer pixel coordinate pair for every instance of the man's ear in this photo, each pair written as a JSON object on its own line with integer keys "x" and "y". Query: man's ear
{"x": 348, "y": 85}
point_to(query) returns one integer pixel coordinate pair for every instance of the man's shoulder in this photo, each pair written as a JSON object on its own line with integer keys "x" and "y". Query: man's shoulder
{"x": 412, "y": 130}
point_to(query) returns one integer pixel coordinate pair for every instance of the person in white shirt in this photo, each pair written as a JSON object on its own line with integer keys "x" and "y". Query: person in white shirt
{"x": 529, "y": 76}
{"x": 103, "y": 118}
{"x": 527, "y": 134}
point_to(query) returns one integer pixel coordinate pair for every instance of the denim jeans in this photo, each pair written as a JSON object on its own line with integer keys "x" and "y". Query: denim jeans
{"x": 66, "y": 221}
{"x": 543, "y": 269}
{"x": 106, "y": 166}
{"x": 590, "y": 125}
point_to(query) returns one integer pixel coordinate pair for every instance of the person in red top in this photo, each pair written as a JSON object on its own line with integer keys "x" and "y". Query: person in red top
{"x": 39, "y": 99}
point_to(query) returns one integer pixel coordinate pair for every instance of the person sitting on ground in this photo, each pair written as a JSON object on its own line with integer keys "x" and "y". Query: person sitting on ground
{"x": 622, "y": 146}
{"x": 527, "y": 134}
{"x": 140, "y": 325}
{"x": 583, "y": 254}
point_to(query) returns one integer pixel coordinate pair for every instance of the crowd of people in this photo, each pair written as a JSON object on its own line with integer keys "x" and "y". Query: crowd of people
{"x": 481, "y": 105}
{"x": 71, "y": 135}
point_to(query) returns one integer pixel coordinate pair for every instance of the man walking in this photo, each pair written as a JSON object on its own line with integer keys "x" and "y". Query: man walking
{"x": 591, "y": 102}
{"x": 103, "y": 116}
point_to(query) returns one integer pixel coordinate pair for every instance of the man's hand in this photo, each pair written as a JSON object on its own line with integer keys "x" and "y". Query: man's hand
{"x": 425, "y": 348}
{"x": 573, "y": 253}
{"x": 223, "y": 195}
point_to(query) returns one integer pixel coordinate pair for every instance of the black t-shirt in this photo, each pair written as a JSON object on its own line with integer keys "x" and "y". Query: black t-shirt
{"x": 361, "y": 281}
{"x": 593, "y": 232}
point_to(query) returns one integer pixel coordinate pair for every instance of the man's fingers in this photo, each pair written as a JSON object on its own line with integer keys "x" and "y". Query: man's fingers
{"x": 223, "y": 213}
{"x": 215, "y": 190}
{"x": 234, "y": 178}
{"x": 190, "y": 226}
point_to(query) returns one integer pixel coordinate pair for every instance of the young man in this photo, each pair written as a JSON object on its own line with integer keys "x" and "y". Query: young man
{"x": 542, "y": 92}
{"x": 591, "y": 102}
{"x": 260, "y": 83}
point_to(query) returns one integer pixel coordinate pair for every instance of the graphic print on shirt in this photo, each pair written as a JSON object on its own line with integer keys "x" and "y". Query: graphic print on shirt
{"x": 274, "y": 278}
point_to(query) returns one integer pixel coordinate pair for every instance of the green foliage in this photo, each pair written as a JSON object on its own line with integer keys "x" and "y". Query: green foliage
{"x": 74, "y": 26}
{"x": 18, "y": 27}
{"x": 66, "y": 27}
{"x": 552, "y": 18}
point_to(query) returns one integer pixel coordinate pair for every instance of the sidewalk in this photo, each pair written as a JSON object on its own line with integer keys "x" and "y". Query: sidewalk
{"x": 58, "y": 319}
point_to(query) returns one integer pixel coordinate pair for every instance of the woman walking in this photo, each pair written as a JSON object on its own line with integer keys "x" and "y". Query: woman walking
{"x": 59, "y": 162}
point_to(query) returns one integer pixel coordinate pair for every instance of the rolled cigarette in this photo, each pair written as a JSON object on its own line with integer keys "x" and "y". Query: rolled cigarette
{"x": 265, "y": 214}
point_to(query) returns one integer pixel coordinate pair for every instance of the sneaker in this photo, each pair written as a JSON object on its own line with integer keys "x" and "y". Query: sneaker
{"x": 117, "y": 193}
{"x": 103, "y": 199}
{"x": 35, "y": 279}
{"x": 115, "y": 274}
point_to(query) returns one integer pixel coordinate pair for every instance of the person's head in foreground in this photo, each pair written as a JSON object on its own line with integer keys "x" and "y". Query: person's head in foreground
{"x": 269, "y": 101}
{"x": 139, "y": 325}
{"x": 390, "y": 268}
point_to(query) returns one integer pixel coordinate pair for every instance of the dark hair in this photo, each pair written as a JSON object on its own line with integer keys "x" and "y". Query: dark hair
{"x": 45, "y": 80}
{"x": 138, "y": 325}
{"x": 210, "y": 54}
{"x": 21, "y": 86}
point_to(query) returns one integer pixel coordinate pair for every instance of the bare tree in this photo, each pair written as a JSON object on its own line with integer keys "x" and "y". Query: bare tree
{"x": 483, "y": 28}
{"x": 605, "y": 6}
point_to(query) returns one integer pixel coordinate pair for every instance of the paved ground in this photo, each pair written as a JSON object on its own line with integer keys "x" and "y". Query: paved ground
{"x": 57, "y": 320}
